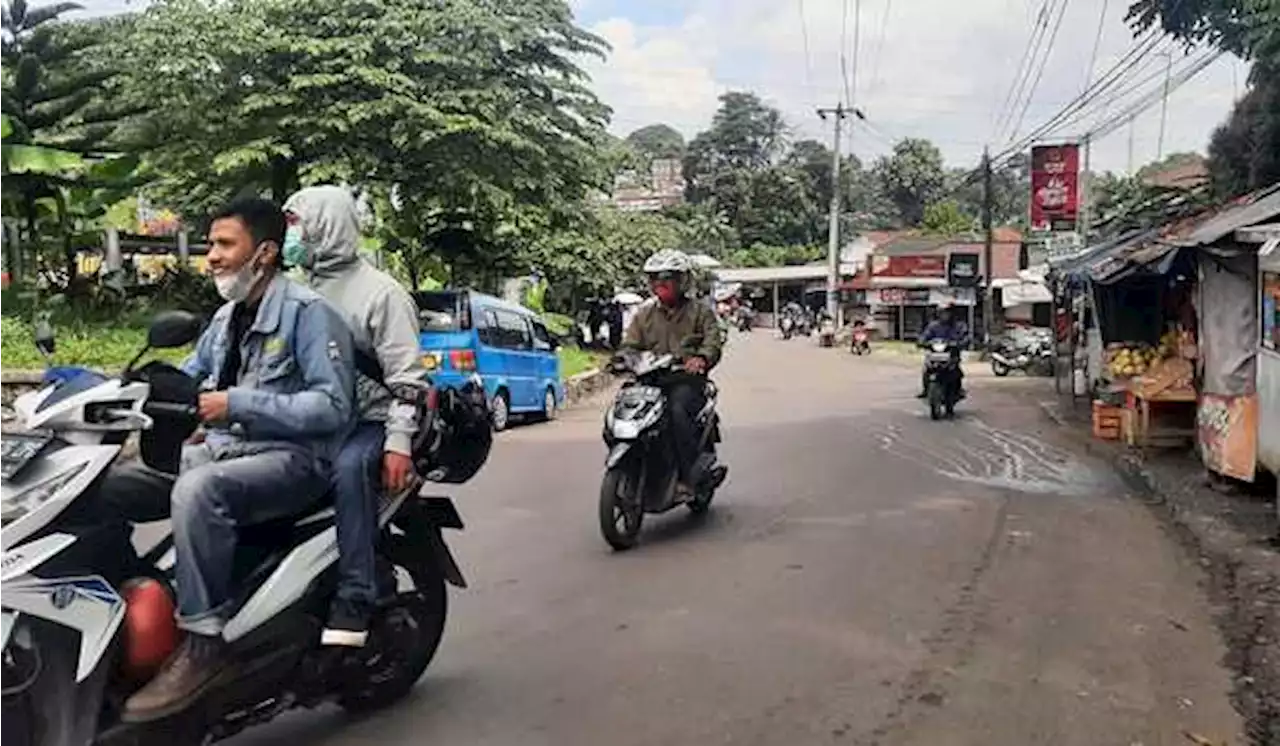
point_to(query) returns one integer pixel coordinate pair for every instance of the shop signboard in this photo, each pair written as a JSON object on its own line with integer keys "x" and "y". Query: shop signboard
{"x": 1227, "y": 430}
{"x": 909, "y": 266}
{"x": 962, "y": 270}
{"x": 1055, "y": 173}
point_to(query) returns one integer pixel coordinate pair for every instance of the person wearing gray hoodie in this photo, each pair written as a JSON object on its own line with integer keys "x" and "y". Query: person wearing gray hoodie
{"x": 322, "y": 240}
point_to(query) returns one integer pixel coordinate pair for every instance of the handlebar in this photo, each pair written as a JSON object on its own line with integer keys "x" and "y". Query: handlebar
{"x": 168, "y": 409}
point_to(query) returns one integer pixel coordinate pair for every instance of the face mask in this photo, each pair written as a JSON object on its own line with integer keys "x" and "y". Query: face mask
{"x": 294, "y": 250}
{"x": 235, "y": 286}
{"x": 666, "y": 294}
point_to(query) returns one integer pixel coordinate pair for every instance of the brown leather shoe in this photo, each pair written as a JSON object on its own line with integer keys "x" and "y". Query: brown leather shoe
{"x": 192, "y": 668}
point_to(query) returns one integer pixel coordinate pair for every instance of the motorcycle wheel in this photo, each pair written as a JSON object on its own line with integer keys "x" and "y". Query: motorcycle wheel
{"x": 404, "y": 638}
{"x": 935, "y": 400}
{"x": 620, "y": 514}
{"x": 1000, "y": 369}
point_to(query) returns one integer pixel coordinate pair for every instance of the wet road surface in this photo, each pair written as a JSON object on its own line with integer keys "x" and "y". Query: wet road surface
{"x": 866, "y": 576}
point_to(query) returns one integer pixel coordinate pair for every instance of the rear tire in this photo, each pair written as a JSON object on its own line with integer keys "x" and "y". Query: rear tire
{"x": 500, "y": 411}
{"x": 620, "y": 515}
{"x": 550, "y": 407}
{"x": 935, "y": 400}
{"x": 410, "y": 633}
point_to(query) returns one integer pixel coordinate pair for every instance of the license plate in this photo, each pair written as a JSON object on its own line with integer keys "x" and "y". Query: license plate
{"x": 17, "y": 449}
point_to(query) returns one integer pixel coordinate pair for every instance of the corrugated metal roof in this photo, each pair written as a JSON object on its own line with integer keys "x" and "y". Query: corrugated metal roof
{"x": 1258, "y": 207}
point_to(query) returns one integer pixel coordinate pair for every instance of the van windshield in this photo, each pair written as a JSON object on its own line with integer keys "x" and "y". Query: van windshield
{"x": 441, "y": 311}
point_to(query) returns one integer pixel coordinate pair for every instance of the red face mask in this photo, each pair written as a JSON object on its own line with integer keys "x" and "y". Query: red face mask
{"x": 665, "y": 291}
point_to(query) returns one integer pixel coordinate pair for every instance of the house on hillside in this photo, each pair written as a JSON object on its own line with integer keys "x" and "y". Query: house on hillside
{"x": 662, "y": 187}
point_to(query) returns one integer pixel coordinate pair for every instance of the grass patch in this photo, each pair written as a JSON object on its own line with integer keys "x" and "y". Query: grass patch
{"x": 99, "y": 345}
{"x": 574, "y": 360}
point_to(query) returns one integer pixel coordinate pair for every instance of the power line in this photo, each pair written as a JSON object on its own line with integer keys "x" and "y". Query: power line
{"x": 804, "y": 36}
{"x": 878, "y": 49}
{"x": 1097, "y": 40}
{"x": 844, "y": 39}
{"x": 1062, "y": 12}
{"x": 1016, "y": 84}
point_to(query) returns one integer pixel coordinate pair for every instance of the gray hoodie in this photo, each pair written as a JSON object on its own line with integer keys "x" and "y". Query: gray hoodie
{"x": 382, "y": 315}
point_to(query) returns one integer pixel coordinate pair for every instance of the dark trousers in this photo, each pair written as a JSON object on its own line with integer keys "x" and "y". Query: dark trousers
{"x": 684, "y": 400}
{"x": 357, "y": 478}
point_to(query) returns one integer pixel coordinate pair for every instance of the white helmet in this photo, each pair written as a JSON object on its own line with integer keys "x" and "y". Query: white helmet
{"x": 668, "y": 261}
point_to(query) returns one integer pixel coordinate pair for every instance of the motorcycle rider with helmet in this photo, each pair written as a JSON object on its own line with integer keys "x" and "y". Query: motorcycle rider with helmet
{"x": 948, "y": 328}
{"x": 673, "y": 323}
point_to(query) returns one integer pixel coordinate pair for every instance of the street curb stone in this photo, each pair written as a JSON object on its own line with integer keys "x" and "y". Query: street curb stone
{"x": 583, "y": 385}
{"x": 1243, "y": 575}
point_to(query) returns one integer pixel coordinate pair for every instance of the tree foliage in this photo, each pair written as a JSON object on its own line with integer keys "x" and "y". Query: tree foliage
{"x": 657, "y": 141}
{"x": 912, "y": 177}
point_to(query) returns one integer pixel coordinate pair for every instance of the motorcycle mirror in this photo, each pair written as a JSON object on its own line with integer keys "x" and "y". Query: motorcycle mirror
{"x": 43, "y": 335}
{"x": 171, "y": 329}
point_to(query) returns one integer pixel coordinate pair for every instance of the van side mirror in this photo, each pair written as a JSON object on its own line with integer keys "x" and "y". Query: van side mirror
{"x": 171, "y": 329}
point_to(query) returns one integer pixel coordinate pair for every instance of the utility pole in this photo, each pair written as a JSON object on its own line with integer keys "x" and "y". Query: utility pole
{"x": 1164, "y": 104}
{"x": 1085, "y": 216}
{"x": 833, "y": 219}
{"x": 988, "y": 310}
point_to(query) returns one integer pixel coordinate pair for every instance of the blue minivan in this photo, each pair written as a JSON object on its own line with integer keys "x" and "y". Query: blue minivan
{"x": 465, "y": 332}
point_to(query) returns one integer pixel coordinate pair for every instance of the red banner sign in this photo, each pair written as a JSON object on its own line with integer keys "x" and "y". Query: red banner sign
{"x": 909, "y": 266}
{"x": 1055, "y": 176}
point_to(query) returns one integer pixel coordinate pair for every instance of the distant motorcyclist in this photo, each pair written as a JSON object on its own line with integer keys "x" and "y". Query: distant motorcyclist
{"x": 673, "y": 323}
{"x": 948, "y": 328}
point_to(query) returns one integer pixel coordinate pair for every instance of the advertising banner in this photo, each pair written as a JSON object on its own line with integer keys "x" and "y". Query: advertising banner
{"x": 1055, "y": 176}
{"x": 962, "y": 270}
{"x": 1227, "y": 429}
{"x": 909, "y": 266}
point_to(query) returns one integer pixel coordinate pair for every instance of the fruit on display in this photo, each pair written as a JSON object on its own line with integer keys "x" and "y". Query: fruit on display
{"x": 1136, "y": 359}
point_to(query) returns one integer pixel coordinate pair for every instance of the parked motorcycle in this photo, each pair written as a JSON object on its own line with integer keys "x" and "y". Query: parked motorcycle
{"x": 942, "y": 371}
{"x": 860, "y": 341}
{"x": 787, "y": 326}
{"x": 87, "y": 620}
{"x": 826, "y": 333}
{"x": 1031, "y": 353}
{"x": 641, "y": 470}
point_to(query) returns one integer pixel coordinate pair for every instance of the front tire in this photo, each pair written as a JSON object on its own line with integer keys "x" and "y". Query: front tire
{"x": 935, "y": 400}
{"x": 621, "y": 514}
{"x": 1000, "y": 369}
{"x": 550, "y": 408}
{"x": 407, "y": 635}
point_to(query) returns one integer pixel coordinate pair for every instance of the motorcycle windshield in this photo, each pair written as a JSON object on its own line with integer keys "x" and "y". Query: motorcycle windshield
{"x": 68, "y": 387}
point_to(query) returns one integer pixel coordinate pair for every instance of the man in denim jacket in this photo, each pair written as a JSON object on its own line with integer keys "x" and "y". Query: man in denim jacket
{"x": 277, "y": 374}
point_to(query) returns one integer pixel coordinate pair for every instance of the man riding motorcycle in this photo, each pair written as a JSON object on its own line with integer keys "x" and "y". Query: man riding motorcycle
{"x": 948, "y": 328}
{"x": 275, "y": 367}
{"x": 675, "y": 324}
{"x": 322, "y": 239}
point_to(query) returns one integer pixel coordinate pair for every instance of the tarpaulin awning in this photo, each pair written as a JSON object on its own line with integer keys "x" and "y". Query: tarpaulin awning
{"x": 1107, "y": 254}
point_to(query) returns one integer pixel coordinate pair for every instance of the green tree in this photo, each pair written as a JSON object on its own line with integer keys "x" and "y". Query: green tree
{"x": 745, "y": 135}
{"x": 945, "y": 218}
{"x": 912, "y": 177}
{"x": 657, "y": 141}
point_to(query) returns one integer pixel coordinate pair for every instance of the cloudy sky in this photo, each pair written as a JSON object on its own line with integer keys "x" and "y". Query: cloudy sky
{"x": 940, "y": 69}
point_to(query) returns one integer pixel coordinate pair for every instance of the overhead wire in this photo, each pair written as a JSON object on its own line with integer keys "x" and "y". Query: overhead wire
{"x": 804, "y": 37}
{"x": 1053, "y": 37}
{"x": 1097, "y": 40}
{"x": 1037, "y": 29}
{"x": 873, "y": 84}
{"x": 844, "y": 38}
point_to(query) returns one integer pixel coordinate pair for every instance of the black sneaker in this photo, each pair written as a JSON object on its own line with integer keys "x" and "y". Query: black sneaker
{"x": 348, "y": 625}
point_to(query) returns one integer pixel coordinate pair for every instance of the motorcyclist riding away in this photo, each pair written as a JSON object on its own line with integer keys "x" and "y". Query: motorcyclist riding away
{"x": 275, "y": 369}
{"x": 672, "y": 323}
{"x": 322, "y": 239}
{"x": 948, "y": 329}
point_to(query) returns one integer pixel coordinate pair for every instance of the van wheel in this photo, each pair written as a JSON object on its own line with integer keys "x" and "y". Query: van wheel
{"x": 500, "y": 411}
{"x": 550, "y": 409}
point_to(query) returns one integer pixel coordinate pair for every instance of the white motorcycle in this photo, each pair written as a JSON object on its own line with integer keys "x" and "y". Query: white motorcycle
{"x": 87, "y": 619}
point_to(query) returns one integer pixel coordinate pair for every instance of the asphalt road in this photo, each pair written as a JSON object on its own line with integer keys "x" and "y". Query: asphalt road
{"x": 866, "y": 576}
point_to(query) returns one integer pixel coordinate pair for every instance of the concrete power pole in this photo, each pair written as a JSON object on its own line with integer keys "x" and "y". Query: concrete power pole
{"x": 1164, "y": 104}
{"x": 833, "y": 219}
{"x": 988, "y": 304}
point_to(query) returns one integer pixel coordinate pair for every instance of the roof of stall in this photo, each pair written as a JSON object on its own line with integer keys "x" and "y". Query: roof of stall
{"x": 1259, "y": 207}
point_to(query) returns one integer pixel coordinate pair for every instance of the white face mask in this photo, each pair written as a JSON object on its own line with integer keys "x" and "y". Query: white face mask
{"x": 236, "y": 285}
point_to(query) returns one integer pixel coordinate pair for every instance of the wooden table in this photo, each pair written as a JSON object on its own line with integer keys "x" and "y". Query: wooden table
{"x": 1138, "y": 427}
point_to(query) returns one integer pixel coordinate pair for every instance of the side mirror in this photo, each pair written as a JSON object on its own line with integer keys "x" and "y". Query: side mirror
{"x": 171, "y": 329}
{"x": 43, "y": 335}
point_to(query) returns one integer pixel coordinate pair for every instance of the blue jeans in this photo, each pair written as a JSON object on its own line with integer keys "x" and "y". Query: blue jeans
{"x": 221, "y": 489}
{"x": 357, "y": 479}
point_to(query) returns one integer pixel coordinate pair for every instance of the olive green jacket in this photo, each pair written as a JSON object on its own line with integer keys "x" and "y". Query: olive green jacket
{"x": 687, "y": 330}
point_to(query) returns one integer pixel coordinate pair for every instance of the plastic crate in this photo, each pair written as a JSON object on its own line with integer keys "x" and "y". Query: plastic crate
{"x": 1108, "y": 421}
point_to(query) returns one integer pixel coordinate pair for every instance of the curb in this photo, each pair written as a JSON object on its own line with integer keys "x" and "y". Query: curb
{"x": 583, "y": 385}
{"x": 1243, "y": 578}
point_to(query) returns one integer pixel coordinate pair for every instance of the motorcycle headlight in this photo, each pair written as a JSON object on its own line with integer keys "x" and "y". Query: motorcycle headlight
{"x": 19, "y": 503}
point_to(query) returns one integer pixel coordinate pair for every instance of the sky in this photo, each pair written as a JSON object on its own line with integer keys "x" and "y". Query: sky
{"x": 939, "y": 69}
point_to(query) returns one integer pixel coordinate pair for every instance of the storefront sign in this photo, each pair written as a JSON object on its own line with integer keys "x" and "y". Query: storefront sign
{"x": 962, "y": 270}
{"x": 909, "y": 266}
{"x": 1227, "y": 429}
{"x": 1054, "y": 187}
{"x": 925, "y": 296}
